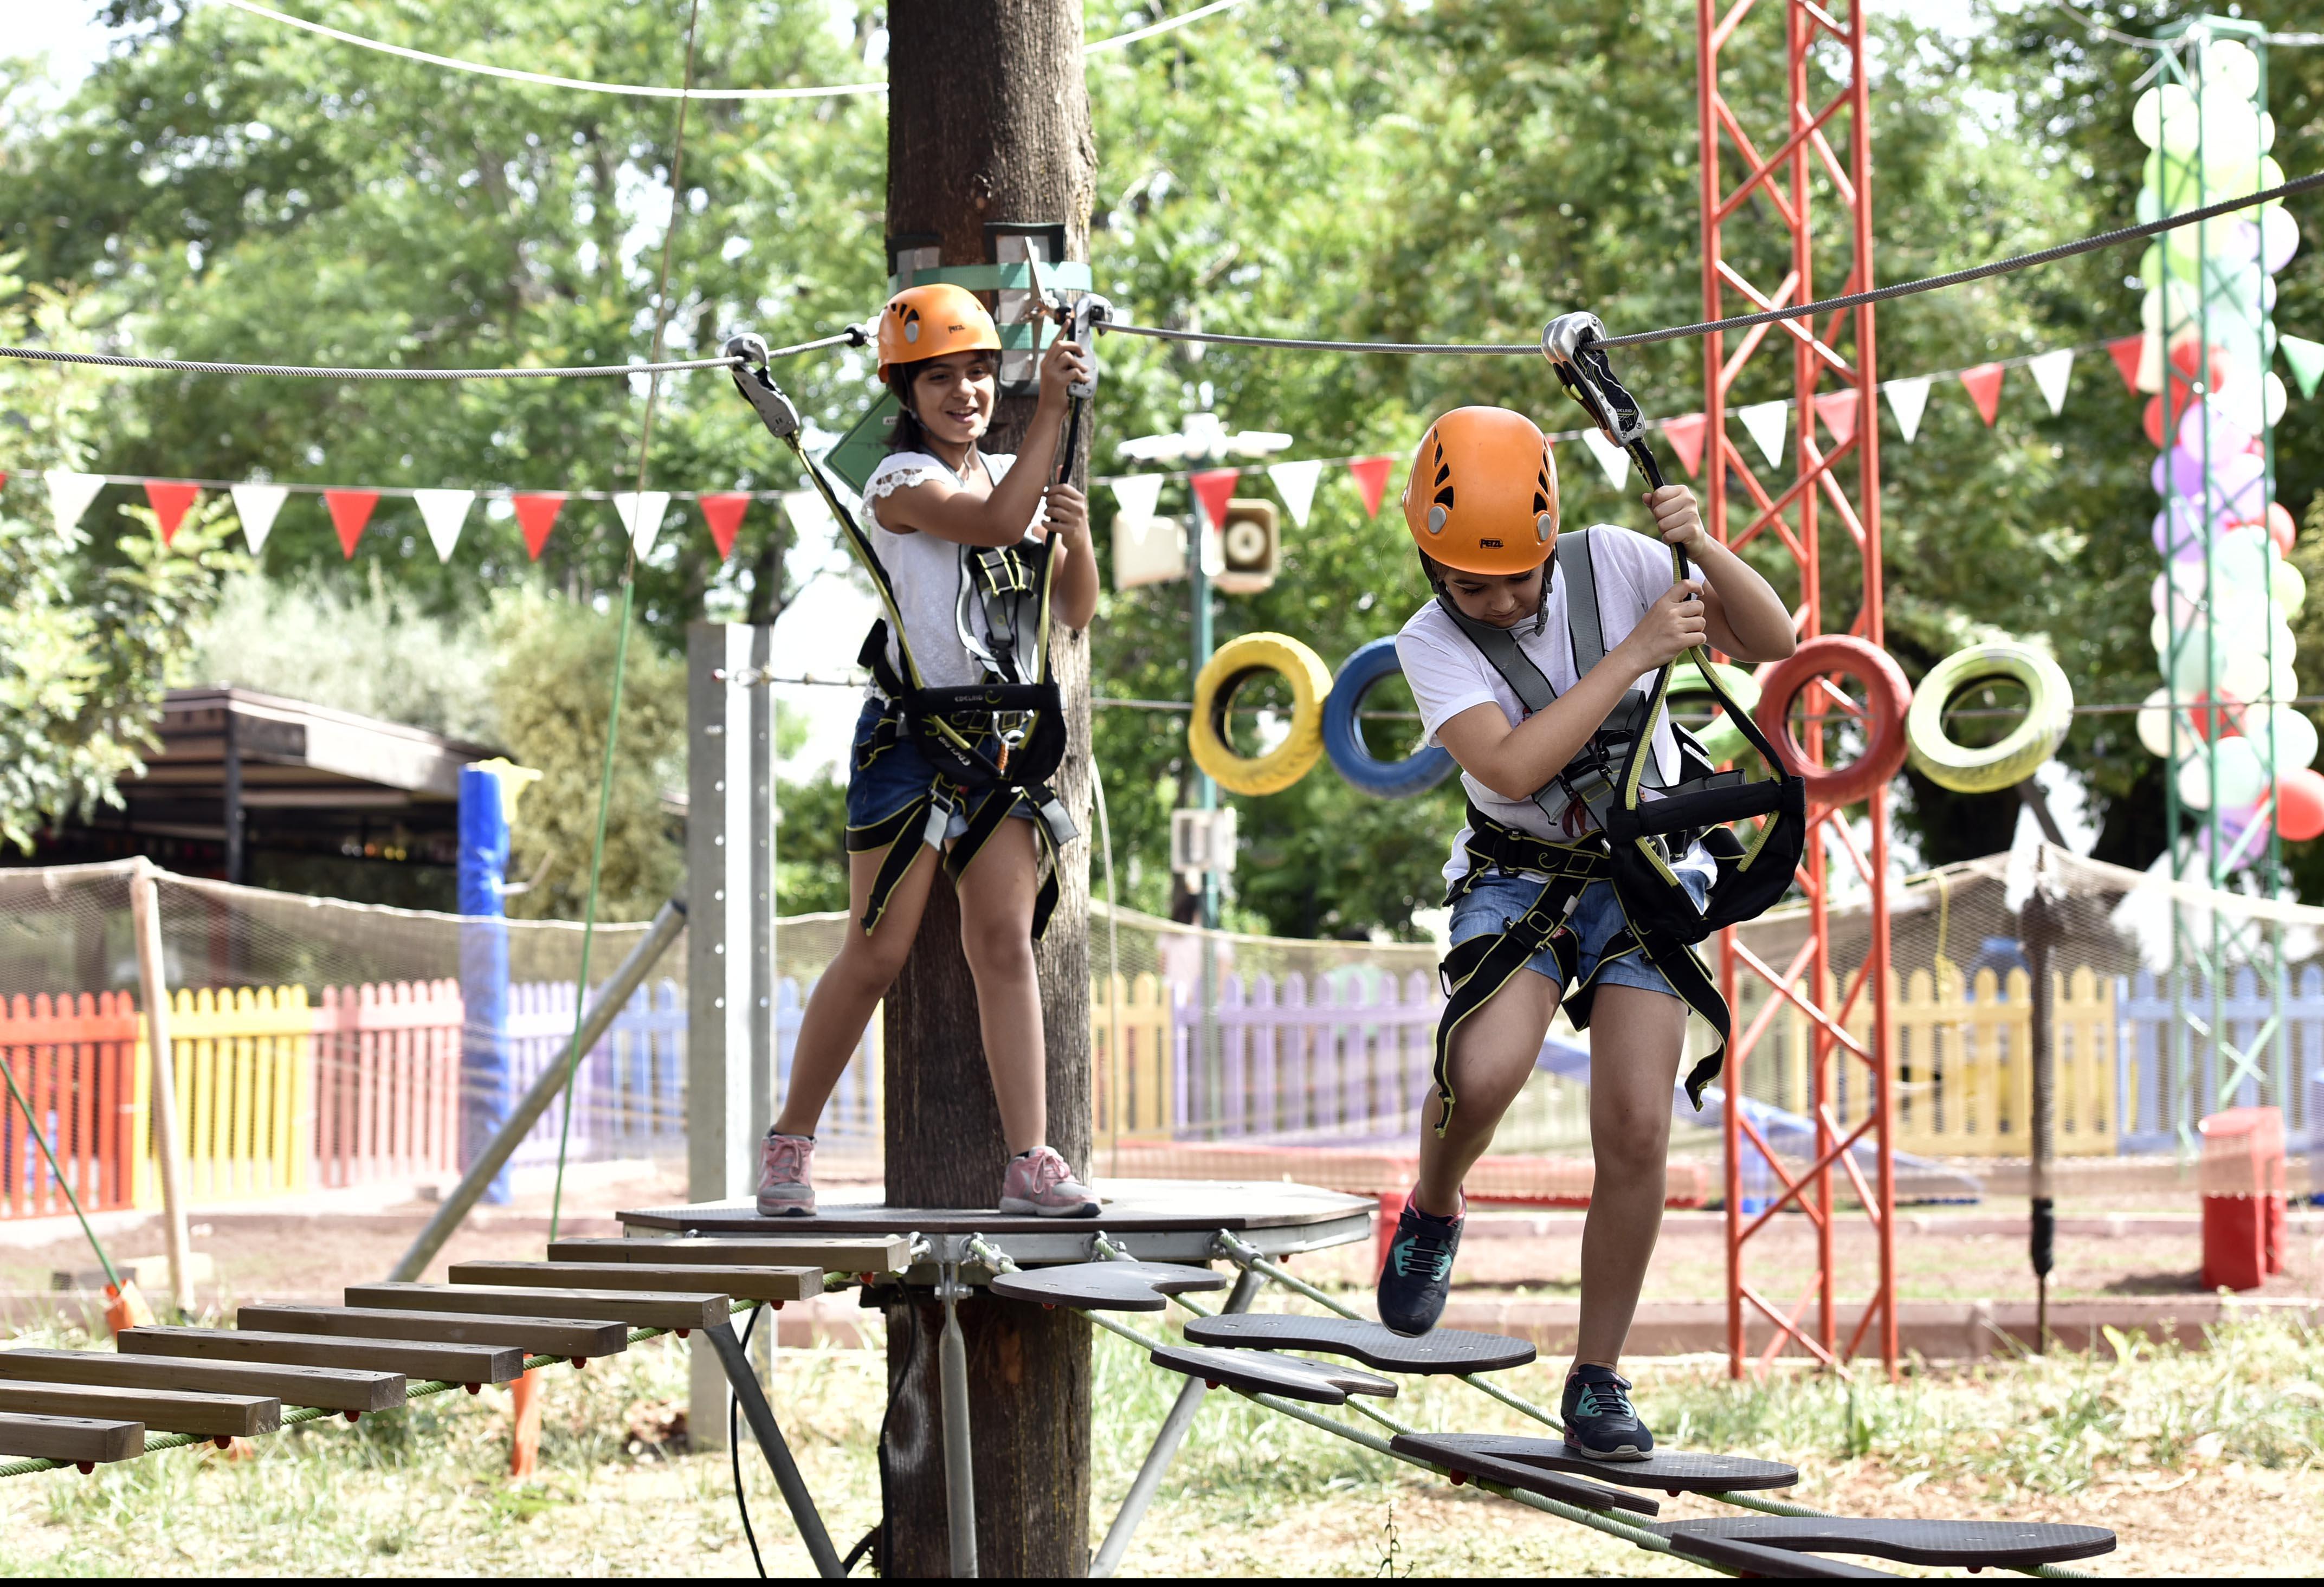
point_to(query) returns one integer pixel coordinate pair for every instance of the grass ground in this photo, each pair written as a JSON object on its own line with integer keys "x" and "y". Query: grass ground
{"x": 2208, "y": 1462}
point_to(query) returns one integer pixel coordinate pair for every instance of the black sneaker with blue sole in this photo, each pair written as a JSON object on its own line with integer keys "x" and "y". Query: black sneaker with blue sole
{"x": 1418, "y": 1274}
{"x": 1600, "y": 1421}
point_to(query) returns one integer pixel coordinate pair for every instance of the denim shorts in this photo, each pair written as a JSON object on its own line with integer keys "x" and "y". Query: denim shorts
{"x": 1500, "y": 897}
{"x": 882, "y": 780}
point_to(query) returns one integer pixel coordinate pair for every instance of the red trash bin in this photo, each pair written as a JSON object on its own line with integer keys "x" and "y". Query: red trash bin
{"x": 2241, "y": 1177}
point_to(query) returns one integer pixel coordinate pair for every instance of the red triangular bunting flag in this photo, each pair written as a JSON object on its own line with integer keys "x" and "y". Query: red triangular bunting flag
{"x": 1983, "y": 384}
{"x": 169, "y": 498}
{"x": 1214, "y": 488}
{"x": 2127, "y": 354}
{"x": 724, "y": 512}
{"x": 350, "y": 511}
{"x": 535, "y": 511}
{"x": 1839, "y": 411}
{"x": 3, "y": 476}
{"x": 1685, "y": 437}
{"x": 1371, "y": 479}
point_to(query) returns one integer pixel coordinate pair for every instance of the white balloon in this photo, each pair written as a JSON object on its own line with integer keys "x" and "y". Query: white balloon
{"x": 2154, "y": 726}
{"x": 2279, "y": 239}
{"x": 2276, "y": 399}
{"x": 2244, "y": 677}
{"x": 2230, "y": 71}
{"x": 2294, "y": 742}
{"x": 2232, "y": 766}
{"x": 2287, "y": 590}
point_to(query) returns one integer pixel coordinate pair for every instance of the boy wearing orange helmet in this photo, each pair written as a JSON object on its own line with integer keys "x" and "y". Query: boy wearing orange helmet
{"x": 957, "y": 534}
{"x": 1514, "y": 606}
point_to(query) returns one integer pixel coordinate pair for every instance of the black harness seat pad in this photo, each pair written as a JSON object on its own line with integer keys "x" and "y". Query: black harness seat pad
{"x": 1106, "y": 1287}
{"x": 1673, "y": 1471}
{"x": 2005, "y": 1544}
{"x": 1259, "y": 1372}
{"x": 1443, "y": 1351}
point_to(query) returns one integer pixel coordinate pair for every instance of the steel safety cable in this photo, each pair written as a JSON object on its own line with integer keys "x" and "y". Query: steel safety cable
{"x": 850, "y": 336}
{"x": 622, "y": 643}
{"x": 2091, "y": 243}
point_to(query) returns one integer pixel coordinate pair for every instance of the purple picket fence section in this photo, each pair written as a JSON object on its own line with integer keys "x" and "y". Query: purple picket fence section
{"x": 1342, "y": 1058}
{"x": 629, "y": 1096}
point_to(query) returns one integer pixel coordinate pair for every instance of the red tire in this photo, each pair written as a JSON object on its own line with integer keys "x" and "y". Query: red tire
{"x": 1887, "y": 696}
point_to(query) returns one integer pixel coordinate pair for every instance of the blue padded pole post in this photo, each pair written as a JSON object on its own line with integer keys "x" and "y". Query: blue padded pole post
{"x": 482, "y": 875}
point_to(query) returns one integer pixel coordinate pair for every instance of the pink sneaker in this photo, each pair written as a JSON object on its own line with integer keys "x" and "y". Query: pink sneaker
{"x": 785, "y": 1191}
{"x": 1040, "y": 1184}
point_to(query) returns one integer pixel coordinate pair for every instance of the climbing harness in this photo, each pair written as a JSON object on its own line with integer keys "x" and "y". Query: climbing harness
{"x": 994, "y": 744}
{"x": 1611, "y": 831}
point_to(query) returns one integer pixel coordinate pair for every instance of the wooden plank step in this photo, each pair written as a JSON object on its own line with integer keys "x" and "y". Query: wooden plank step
{"x": 1256, "y": 1371}
{"x": 575, "y": 1338}
{"x": 833, "y": 1253}
{"x": 1671, "y": 1470}
{"x": 86, "y": 1440}
{"x": 164, "y": 1410}
{"x": 327, "y": 1388}
{"x": 1105, "y": 1286}
{"x": 421, "y": 1360}
{"x": 698, "y": 1308}
{"x": 1444, "y": 1351}
{"x": 741, "y": 1283}
{"x": 2007, "y": 1544}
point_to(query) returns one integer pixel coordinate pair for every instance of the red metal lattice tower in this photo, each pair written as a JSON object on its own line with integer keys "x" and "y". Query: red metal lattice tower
{"x": 1791, "y": 184}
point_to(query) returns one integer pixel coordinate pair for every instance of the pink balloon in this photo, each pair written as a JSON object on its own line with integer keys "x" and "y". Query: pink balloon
{"x": 2178, "y": 473}
{"x": 2226, "y": 439}
{"x": 2179, "y": 530}
{"x": 2240, "y": 486}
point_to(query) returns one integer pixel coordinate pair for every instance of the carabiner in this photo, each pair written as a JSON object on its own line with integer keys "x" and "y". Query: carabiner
{"x": 1571, "y": 344}
{"x": 774, "y": 410}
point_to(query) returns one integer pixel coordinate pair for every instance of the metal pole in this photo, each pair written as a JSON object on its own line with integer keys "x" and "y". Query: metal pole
{"x": 761, "y": 1417}
{"x": 169, "y": 1146}
{"x": 2042, "y": 1227}
{"x": 1166, "y": 1445}
{"x": 611, "y": 997}
{"x": 952, "y": 1369}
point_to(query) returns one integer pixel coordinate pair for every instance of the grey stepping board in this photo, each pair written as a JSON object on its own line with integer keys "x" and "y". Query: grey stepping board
{"x": 1671, "y": 1470}
{"x": 2009, "y": 1545}
{"x": 1531, "y": 1479}
{"x": 1105, "y": 1286}
{"x": 1447, "y": 1349}
{"x": 1737, "y": 1558}
{"x": 1259, "y": 1373}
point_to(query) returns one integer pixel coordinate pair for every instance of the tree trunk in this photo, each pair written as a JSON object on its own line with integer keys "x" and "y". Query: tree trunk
{"x": 989, "y": 121}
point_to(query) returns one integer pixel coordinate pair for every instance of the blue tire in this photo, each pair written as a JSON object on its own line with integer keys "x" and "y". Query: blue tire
{"x": 1343, "y": 738}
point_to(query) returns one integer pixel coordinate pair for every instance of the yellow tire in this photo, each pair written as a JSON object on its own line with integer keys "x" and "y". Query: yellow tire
{"x": 2049, "y": 713}
{"x": 1721, "y": 739}
{"x": 1235, "y": 663}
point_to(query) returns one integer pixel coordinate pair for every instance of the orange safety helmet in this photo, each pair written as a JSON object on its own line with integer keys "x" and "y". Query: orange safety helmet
{"x": 927, "y": 322}
{"x": 1482, "y": 493}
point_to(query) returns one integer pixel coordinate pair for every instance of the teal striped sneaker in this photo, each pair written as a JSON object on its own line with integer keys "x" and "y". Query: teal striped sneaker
{"x": 1418, "y": 1274}
{"x": 1600, "y": 1421}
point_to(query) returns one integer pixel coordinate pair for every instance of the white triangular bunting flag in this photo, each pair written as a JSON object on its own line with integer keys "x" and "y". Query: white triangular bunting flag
{"x": 1907, "y": 399}
{"x": 1136, "y": 495}
{"x": 1768, "y": 421}
{"x": 256, "y": 505}
{"x": 444, "y": 512}
{"x": 815, "y": 549}
{"x": 641, "y": 515}
{"x": 1610, "y": 457}
{"x": 69, "y": 494}
{"x": 2050, "y": 371}
{"x": 1295, "y": 484}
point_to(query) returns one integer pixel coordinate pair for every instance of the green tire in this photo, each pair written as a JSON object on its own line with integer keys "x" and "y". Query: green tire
{"x": 1722, "y": 740}
{"x": 2049, "y": 713}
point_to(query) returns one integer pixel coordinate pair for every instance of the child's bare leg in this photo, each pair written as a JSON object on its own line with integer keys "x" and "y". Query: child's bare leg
{"x": 853, "y": 985}
{"x": 1493, "y": 1052}
{"x": 1635, "y": 1038}
{"x": 996, "y": 934}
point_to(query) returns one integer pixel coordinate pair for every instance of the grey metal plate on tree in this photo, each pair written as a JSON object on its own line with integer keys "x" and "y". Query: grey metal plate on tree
{"x": 1263, "y": 1372}
{"x": 1154, "y": 1220}
{"x": 1106, "y": 1287}
{"x": 1444, "y": 1351}
{"x": 1734, "y": 1556}
{"x": 1671, "y": 1470}
{"x": 2004, "y": 1544}
{"x": 1531, "y": 1479}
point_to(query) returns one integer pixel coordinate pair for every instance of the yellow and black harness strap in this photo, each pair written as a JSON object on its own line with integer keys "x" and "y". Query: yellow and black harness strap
{"x": 923, "y": 823}
{"x": 1049, "y": 817}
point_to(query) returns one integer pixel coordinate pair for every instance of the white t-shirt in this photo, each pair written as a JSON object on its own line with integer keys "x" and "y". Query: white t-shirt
{"x": 925, "y": 570}
{"x": 1449, "y": 675}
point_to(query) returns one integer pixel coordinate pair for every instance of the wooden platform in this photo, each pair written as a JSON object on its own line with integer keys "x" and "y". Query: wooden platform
{"x": 1154, "y": 1220}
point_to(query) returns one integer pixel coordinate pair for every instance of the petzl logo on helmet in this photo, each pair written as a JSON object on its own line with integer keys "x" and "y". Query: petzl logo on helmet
{"x": 1494, "y": 545}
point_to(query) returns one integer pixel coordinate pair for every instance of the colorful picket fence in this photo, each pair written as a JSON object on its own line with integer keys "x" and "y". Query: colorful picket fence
{"x": 386, "y": 1067}
{"x": 629, "y": 1094}
{"x": 242, "y": 1058}
{"x": 77, "y": 1062}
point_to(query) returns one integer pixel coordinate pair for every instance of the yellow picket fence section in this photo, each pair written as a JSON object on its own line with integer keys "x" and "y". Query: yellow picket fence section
{"x": 1960, "y": 1053}
{"x": 1131, "y": 1042}
{"x": 241, "y": 1057}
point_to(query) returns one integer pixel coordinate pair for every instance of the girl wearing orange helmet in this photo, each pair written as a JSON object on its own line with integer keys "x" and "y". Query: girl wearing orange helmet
{"x": 1481, "y": 505}
{"x": 937, "y": 501}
